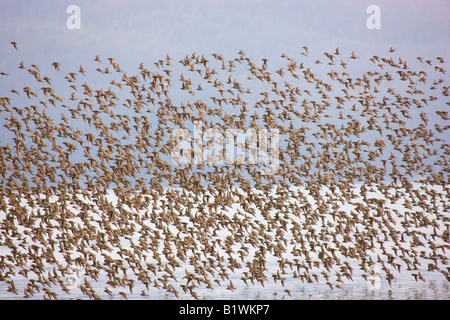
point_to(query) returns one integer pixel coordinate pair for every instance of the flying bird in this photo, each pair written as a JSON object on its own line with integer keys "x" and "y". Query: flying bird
{"x": 56, "y": 65}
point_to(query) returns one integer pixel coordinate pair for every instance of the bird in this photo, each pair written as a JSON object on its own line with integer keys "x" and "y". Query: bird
{"x": 56, "y": 65}
{"x": 306, "y": 51}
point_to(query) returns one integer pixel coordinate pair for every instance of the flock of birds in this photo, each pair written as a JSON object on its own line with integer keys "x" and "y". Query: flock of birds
{"x": 87, "y": 180}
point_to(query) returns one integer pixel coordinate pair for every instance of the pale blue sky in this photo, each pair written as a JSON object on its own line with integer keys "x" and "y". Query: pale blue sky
{"x": 135, "y": 31}
{"x": 145, "y": 31}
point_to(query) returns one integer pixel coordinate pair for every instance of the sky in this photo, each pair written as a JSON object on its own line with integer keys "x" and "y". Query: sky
{"x": 135, "y": 32}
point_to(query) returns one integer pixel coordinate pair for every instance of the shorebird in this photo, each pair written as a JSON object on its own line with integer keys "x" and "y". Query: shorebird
{"x": 56, "y": 65}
